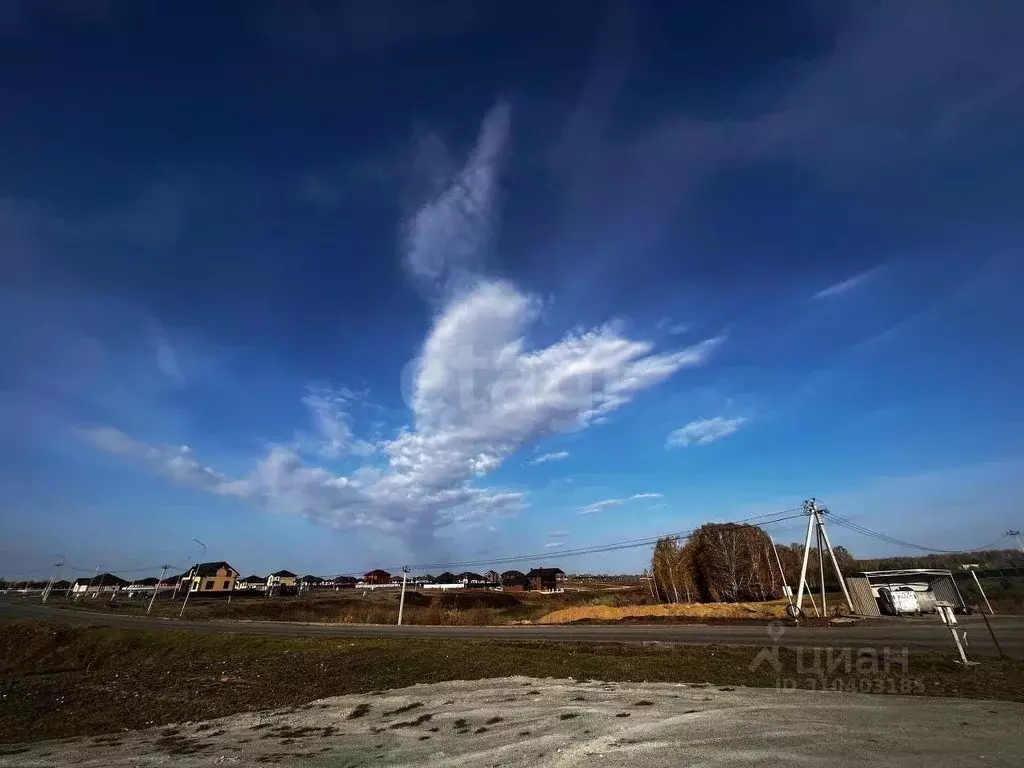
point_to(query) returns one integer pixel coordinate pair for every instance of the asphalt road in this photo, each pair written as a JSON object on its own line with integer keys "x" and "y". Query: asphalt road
{"x": 926, "y": 633}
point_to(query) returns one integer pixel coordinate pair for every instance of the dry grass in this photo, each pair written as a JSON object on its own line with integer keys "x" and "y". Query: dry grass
{"x": 461, "y": 608}
{"x": 58, "y": 681}
{"x": 775, "y": 609}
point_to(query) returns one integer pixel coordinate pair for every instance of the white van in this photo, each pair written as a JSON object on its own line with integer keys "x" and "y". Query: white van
{"x": 901, "y": 601}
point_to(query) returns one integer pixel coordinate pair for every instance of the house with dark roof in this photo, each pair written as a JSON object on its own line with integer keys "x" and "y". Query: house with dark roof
{"x": 211, "y": 577}
{"x": 446, "y": 578}
{"x": 172, "y": 581}
{"x": 468, "y": 577}
{"x": 514, "y": 581}
{"x": 282, "y": 581}
{"x": 492, "y": 577}
{"x": 103, "y": 583}
{"x": 377, "y": 576}
{"x": 343, "y": 582}
{"x": 142, "y": 585}
{"x": 544, "y": 579}
{"x": 309, "y": 581}
{"x": 251, "y": 583}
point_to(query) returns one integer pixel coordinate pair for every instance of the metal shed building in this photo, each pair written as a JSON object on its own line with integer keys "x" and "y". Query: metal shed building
{"x": 930, "y": 584}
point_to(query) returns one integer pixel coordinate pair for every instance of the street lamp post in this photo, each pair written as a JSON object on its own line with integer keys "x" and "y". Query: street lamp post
{"x": 190, "y": 580}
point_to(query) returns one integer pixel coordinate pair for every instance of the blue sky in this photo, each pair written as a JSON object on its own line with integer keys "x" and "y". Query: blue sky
{"x": 338, "y": 285}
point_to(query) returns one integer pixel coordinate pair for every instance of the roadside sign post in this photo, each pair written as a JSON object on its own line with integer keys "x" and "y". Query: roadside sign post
{"x": 949, "y": 619}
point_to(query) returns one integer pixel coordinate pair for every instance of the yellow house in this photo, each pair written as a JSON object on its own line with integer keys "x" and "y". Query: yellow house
{"x": 211, "y": 577}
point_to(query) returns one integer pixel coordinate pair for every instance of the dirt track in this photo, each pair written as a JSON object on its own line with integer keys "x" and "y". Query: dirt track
{"x": 524, "y": 722}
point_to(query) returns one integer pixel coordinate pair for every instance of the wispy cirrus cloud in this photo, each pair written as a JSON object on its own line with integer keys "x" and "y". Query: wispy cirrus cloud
{"x": 703, "y": 431}
{"x": 544, "y": 458}
{"x": 478, "y": 391}
{"x": 331, "y": 413}
{"x": 553, "y": 544}
{"x": 844, "y": 286}
{"x": 597, "y": 506}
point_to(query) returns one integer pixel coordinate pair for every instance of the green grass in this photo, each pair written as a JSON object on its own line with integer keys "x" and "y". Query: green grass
{"x": 58, "y": 681}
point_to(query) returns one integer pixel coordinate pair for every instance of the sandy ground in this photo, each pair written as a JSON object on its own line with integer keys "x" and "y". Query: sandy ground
{"x": 771, "y": 610}
{"x": 524, "y": 722}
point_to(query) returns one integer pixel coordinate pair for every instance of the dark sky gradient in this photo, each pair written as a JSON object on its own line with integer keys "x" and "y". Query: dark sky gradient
{"x": 203, "y": 209}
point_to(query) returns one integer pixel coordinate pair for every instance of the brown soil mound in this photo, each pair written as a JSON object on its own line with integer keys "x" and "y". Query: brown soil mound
{"x": 768, "y": 611}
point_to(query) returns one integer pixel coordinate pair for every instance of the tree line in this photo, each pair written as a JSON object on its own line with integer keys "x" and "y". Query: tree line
{"x": 731, "y": 562}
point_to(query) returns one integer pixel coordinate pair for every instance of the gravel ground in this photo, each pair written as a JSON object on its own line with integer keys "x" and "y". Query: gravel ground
{"x": 520, "y": 721}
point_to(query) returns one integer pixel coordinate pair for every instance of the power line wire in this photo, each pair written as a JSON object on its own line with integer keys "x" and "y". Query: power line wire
{"x": 589, "y": 550}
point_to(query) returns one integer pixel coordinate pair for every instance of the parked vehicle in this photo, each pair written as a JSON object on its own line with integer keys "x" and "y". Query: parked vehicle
{"x": 901, "y": 601}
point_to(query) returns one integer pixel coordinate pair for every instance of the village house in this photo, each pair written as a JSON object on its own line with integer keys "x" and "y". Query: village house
{"x": 343, "y": 582}
{"x": 251, "y": 583}
{"x": 282, "y": 582}
{"x": 468, "y": 577}
{"x": 514, "y": 581}
{"x": 377, "y": 576}
{"x": 172, "y": 581}
{"x": 212, "y": 577}
{"x": 492, "y": 577}
{"x": 310, "y": 581}
{"x": 103, "y": 583}
{"x": 144, "y": 586}
{"x": 544, "y": 579}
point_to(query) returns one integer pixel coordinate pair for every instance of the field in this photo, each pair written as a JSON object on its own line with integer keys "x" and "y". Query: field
{"x": 455, "y": 608}
{"x": 58, "y": 681}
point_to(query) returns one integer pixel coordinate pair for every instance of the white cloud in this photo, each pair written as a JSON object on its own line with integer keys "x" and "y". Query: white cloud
{"x": 478, "y": 392}
{"x": 446, "y": 237}
{"x": 675, "y": 329}
{"x": 166, "y": 359}
{"x": 546, "y": 457}
{"x": 555, "y": 544}
{"x": 330, "y": 411}
{"x": 597, "y": 506}
{"x": 704, "y": 431}
{"x": 844, "y": 286}
{"x": 175, "y": 462}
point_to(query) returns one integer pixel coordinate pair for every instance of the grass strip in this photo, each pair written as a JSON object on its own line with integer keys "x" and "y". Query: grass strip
{"x": 59, "y": 681}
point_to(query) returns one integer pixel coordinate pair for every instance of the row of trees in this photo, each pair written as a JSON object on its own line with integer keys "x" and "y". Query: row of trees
{"x": 729, "y": 562}
{"x": 990, "y": 558}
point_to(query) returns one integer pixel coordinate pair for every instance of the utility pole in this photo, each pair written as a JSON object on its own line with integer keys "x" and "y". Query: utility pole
{"x": 89, "y": 585}
{"x": 53, "y": 578}
{"x": 191, "y": 578}
{"x": 401, "y": 601}
{"x": 815, "y": 523}
{"x": 157, "y": 588}
{"x": 984, "y": 597}
{"x": 1015, "y": 534}
{"x": 785, "y": 586}
{"x": 821, "y": 575}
